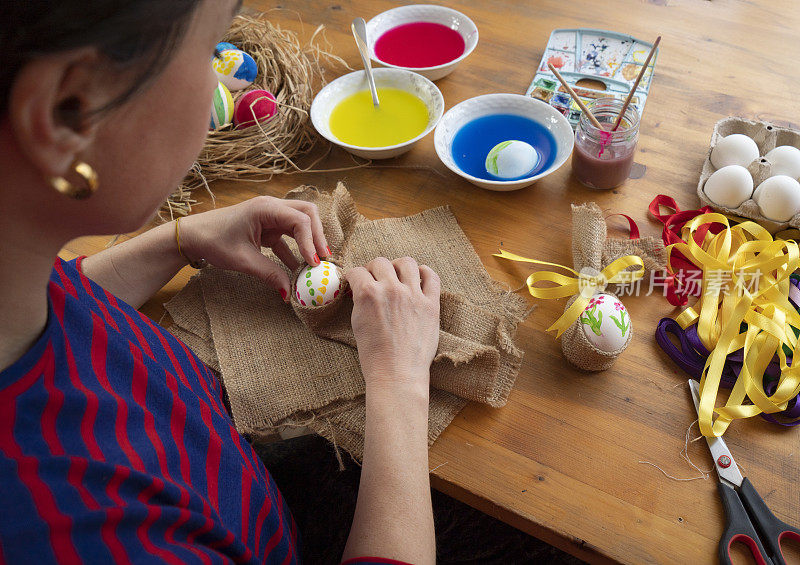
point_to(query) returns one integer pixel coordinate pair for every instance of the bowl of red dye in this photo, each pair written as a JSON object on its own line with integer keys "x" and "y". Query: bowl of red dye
{"x": 424, "y": 38}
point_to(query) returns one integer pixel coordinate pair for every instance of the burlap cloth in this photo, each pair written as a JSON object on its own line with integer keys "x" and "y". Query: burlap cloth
{"x": 285, "y": 365}
{"x": 592, "y": 251}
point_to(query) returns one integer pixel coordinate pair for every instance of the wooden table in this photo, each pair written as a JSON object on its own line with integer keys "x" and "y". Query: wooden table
{"x": 562, "y": 460}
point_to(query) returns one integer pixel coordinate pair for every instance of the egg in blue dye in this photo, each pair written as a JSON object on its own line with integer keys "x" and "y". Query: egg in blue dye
{"x": 474, "y": 140}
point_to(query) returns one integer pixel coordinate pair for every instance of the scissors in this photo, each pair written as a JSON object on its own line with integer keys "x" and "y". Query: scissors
{"x": 750, "y": 521}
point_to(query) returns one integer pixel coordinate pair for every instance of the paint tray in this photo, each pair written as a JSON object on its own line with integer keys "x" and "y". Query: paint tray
{"x": 605, "y": 57}
{"x": 767, "y": 137}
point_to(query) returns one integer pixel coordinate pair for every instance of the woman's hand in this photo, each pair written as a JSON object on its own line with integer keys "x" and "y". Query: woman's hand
{"x": 232, "y": 237}
{"x": 395, "y": 321}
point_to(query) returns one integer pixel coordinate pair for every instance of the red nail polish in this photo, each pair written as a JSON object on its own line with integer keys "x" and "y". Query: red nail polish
{"x": 283, "y": 294}
{"x": 328, "y": 249}
{"x": 316, "y": 258}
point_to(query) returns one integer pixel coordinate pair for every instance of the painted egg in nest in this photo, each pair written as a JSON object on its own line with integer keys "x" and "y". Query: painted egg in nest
{"x": 235, "y": 69}
{"x": 318, "y": 285}
{"x": 254, "y": 105}
{"x": 222, "y": 108}
{"x": 606, "y": 322}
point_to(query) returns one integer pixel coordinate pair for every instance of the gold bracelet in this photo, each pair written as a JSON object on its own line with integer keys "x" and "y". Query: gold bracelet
{"x": 200, "y": 263}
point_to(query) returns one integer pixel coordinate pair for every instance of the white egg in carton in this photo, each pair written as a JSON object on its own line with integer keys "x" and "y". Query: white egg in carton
{"x": 733, "y": 193}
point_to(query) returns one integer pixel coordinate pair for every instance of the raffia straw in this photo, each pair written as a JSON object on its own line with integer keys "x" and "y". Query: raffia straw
{"x": 289, "y": 71}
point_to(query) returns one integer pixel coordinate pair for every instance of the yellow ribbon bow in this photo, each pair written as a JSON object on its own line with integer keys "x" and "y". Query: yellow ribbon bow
{"x": 756, "y": 268}
{"x": 582, "y": 284}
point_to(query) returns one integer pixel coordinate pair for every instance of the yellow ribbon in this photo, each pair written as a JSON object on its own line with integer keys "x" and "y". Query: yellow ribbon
{"x": 745, "y": 280}
{"x": 583, "y": 285}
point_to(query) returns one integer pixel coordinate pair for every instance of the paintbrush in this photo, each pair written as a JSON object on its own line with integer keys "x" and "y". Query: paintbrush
{"x": 575, "y": 97}
{"x": 636, "y": 84}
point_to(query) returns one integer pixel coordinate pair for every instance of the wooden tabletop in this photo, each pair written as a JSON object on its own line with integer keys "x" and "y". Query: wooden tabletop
{"x": 563, "y": 460}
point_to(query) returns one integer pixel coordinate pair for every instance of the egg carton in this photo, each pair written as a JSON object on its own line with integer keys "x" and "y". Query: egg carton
{"x": 767, "y": 137}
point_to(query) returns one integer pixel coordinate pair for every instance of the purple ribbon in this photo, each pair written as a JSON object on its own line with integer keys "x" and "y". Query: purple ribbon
{"x": 691, "y": 358}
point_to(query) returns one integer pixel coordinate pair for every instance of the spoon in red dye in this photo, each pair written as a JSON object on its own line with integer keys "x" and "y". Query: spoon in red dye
{"x": 359, "y": 27}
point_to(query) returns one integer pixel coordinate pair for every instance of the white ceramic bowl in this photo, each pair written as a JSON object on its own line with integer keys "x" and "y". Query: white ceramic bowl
{"x": 540, "y": 112}
{"x": 334, "y": 92}
{"x": 453, "y": 19}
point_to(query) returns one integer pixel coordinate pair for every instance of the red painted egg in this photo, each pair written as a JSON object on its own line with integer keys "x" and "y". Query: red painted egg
{"x": 254, "y": 105}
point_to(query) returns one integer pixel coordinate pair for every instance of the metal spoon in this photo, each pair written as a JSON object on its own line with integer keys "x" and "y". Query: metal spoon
{"x": 359, "y": 27}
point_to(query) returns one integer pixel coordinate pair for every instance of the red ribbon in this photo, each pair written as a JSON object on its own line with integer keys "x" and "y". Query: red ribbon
{"x": 678, "y": 291}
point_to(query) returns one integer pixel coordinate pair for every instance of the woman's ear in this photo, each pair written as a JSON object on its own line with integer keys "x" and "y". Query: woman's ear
{"x": 50, "y": 108}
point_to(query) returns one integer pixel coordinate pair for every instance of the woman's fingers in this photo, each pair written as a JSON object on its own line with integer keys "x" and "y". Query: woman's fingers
{"x": 430, "y": 282}
{"x": 382, "y": 269}
{"x": 407, "y": 271}
{"x": 296, "y": 224}
{"x": 318, "y": 233}
{"x": 359, "y": 278}
{"x": 284, "y": 253}
{"x": 258, "y": 265}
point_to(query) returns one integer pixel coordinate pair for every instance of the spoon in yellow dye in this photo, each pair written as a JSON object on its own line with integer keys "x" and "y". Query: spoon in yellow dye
{"x": 359, "y": 27}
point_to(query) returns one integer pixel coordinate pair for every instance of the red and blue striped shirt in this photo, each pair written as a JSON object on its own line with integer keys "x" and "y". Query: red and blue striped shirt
{"x": 115, "y": 446}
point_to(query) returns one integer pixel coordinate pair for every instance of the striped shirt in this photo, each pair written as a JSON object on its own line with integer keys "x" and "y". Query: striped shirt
{"x": 115, "y": 446}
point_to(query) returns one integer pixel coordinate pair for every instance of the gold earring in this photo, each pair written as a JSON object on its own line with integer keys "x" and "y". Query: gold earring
{"x": 89, "y": 175}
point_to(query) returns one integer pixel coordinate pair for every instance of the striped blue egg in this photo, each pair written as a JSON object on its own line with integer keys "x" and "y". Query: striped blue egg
{"x": 235, "y": 69}
{"x": 222, "y": 109}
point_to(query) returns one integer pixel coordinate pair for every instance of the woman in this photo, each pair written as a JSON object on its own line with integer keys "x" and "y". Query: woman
{"x": 115, "y": 445}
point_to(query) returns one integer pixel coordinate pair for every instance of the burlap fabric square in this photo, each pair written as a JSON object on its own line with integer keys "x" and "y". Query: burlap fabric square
{"x": 285, "y": 365}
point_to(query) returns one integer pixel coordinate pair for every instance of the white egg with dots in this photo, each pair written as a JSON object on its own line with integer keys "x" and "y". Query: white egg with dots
{"x": 511, "y": 159}
{"x": 318, "y": 285}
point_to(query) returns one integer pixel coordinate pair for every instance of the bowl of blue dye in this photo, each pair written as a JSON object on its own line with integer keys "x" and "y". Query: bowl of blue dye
{"x": 470, "y": 130}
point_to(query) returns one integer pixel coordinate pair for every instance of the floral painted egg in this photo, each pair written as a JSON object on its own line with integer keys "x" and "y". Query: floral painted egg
{"x": 235, "y": 69}
{"x": 222, "y": 109}
{"x": 254, "y": 105}
{"x": 606, "y": 322}
{"x": 318, "y": 285}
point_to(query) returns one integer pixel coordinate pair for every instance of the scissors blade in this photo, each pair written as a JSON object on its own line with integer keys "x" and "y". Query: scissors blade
{"x": 723, "y": 460}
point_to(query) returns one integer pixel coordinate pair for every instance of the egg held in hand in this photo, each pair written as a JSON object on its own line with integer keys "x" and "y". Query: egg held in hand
{"x": 511, "y": 159}
{"x": 318, "y": 285}
{"x": 778, "y": 198}
{"x": 254, "y": 105}
{"x": 785, "y": 160}
{"x": 735, "y": 149}
{"x": 606, "y": 323}
{"x": 729, "y": 186}
{"x": 235, "y": 69}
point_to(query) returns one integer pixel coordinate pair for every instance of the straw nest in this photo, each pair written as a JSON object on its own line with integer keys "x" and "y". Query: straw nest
{"x": 289, "y": 71}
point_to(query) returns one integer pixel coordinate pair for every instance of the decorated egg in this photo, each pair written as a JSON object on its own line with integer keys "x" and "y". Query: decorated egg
{"x": 318, "y": 285}
{"x": 224, "y": 46}
{"x": 606, "y": 323}
{"x": 729, "y": 186}
{"x": 735, "y": 149}
{"x": 222, "y": 109}
{"x": 785, "y": 160}
{"x": 511, "y": 159}
{"x": 235, "y": 69}
{"x": 254, "y": 105}
{"x": 778, "y": 198}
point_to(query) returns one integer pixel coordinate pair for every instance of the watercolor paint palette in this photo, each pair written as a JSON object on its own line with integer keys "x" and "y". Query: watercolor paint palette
{"x": 598, "y": 57}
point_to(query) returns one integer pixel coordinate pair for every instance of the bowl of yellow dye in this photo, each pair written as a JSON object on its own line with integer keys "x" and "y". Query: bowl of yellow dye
{"x": 410, "y": 107}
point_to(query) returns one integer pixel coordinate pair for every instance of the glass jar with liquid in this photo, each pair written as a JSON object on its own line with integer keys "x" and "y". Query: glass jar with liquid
{"x": 603, "y": 158}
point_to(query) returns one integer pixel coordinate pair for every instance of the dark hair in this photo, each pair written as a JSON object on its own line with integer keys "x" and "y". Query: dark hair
{"x": 133, "y": 35}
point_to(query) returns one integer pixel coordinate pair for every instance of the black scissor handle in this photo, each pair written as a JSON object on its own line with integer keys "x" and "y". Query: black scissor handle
{"x": 739, "y": 528}
{"x": 770, "y": 529}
